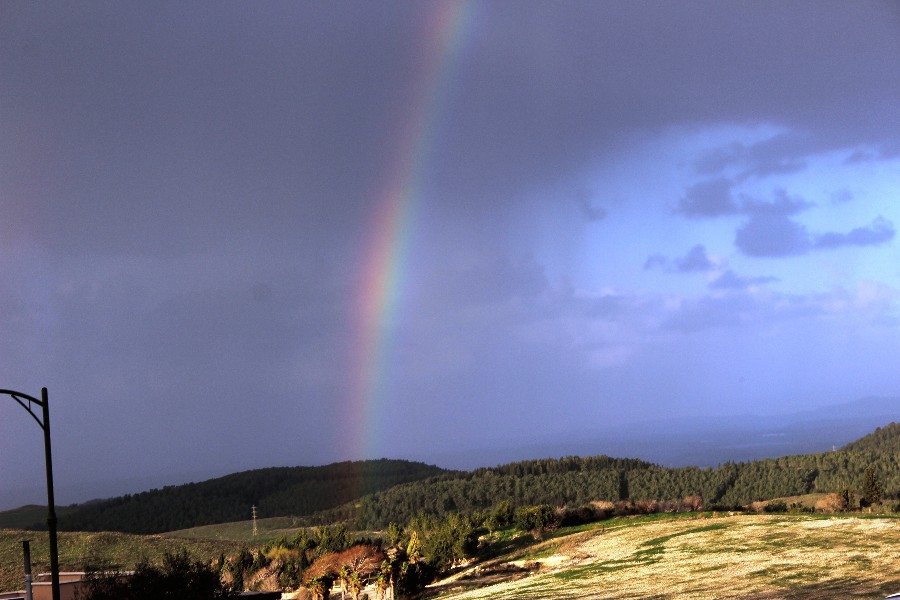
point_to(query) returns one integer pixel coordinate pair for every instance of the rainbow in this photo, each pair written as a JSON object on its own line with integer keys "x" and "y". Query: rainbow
{"x": 385, "y": 250}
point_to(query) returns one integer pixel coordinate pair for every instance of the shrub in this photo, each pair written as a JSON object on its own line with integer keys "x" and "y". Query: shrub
{"x": 604, "y": 509}
{"x": 693, "y": 503}
{"x": 179, "y": 578}
{"x": 535, "y": 519}
{"x": 577, "y": 515}
{"x": 645, "y": 507}
{"x": 831, "y": 503}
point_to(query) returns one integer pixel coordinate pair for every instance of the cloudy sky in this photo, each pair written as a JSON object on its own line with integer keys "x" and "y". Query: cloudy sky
{"x": 236, "y": 235}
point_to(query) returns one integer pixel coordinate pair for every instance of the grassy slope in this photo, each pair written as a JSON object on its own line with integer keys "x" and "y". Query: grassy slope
{"x": 743, "y": 556}
{"x": 242, "y": 531}
{"x": 117, "y": 550}
{"x": 28, "y": 515}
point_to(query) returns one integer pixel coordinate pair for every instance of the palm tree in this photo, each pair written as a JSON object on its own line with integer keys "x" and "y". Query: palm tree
{"x": 385, "y": 581}
{"x": 356, "y": 584}
{"x": 320, "y": 587}
{"x": 344, "y": 576}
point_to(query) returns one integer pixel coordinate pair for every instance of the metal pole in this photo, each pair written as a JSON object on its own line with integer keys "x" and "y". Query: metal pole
{"x": 26, "y": 547}
{"x": 51, "y": 505}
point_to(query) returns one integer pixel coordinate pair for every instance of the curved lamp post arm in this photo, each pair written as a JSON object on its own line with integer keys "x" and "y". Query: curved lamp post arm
{"x": 19, "y": 397}
{"x": 44, "y": 423}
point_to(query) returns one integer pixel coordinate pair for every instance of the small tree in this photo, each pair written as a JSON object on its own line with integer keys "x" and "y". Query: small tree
{"x": 414, "y": 548}
{"x": 393, "y": 534}
{"x": 412, "y": 578}
{"x": 871, "y": 490}
{"x": 492, "y": 523}
{"x": 848, "y": 497}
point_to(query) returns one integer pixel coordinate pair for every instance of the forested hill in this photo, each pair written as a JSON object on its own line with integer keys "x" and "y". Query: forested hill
{"x": 577, "y": 481}
{"x": 884, "y": 439}
{"x": 371, "y": 494}
{"x": 279, "y": 491}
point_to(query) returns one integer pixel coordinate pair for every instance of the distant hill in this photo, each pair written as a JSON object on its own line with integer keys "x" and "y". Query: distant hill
{"x": 371, "y": 494}
{"x": 278, "y": 491}
{"x": 883, "y": 439}
{"x": 27, "y": 516}
{"x": 575, "y": 481}
{"x": 702, "y": 441}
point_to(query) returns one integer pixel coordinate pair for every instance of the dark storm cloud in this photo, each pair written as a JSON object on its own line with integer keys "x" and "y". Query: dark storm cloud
{"x": 186, "y": 124}
{"x": 570, "y": 92}
{"x": 182, "y": 112}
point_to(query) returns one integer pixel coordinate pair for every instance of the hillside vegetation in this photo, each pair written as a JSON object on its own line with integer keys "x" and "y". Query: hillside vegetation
{"x": 575, "y": 481}
{"x": 882, "y": 440}
{"x": 281, "y": 491}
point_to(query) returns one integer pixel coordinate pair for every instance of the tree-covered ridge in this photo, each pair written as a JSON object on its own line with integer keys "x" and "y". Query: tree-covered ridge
{"x": 372, "y": 494}
{"x": 277, "y": 491}
{"x": 575, "y": 481}
{"x": 883, "y": 439}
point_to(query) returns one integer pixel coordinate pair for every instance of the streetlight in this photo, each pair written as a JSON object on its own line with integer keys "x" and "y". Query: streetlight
{"x": 44, "y": 423}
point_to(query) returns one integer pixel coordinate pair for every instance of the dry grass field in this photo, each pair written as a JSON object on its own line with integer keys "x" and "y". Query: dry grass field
{"x": 740, "y": 556}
